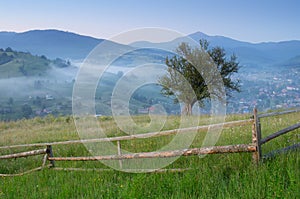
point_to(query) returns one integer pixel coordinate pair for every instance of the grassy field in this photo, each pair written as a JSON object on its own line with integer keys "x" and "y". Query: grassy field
{"x": 214, "y": 176}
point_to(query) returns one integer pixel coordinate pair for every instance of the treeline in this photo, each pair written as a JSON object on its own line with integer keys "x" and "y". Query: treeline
{"x": 4, "y": 57}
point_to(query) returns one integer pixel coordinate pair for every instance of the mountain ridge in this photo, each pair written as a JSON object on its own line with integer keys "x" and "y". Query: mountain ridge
{"x": 51, "y": 43}
{"x": 68, "y": 45}
{"x": 249, "y": 54}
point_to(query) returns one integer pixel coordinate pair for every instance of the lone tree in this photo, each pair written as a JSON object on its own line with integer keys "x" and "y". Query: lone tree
{"x": 199, "y": 69}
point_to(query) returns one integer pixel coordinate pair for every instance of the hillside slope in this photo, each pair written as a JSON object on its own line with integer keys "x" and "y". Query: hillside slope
{"x": 19, "y": 64}
{"x": 51, "y": 43}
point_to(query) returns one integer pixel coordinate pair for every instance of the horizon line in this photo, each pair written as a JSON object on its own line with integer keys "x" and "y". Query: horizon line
{"x": 188, "y": 35}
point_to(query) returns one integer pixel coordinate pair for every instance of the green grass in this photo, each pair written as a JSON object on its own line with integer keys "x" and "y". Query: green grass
{"x": 32, "y": 65}
{"x": 214, "y": 176}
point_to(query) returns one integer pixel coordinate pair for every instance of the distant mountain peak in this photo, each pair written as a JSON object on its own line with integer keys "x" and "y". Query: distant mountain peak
{"x": 198, "y": 34}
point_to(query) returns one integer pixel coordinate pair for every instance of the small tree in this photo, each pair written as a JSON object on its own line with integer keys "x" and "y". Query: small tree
{"x": 8, "y": 49}
{"x": 183, "y": 72}
{"x": 10, "y": 101}
{"x": 44, "y": 57}
{"x": 23, "y": 70}
{"x": 26, "y": 111}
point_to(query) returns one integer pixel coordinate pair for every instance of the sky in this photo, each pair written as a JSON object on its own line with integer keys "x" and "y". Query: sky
{"x": 246, "y": 20}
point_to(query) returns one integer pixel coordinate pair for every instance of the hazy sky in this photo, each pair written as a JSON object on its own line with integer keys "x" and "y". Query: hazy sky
{"x": 247, "y": 20}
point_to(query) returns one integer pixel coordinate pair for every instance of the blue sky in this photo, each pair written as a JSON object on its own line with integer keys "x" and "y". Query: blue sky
{"x": 246, "y": 20}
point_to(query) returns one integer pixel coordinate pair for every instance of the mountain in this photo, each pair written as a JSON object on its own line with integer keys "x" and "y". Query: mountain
{"x": 67, "y": 45}
{"x": 51, "y": 43}
{"x": 249, "y": 54}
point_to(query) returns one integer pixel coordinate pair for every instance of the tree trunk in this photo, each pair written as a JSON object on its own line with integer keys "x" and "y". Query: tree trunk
{"x": 187, "y": 109}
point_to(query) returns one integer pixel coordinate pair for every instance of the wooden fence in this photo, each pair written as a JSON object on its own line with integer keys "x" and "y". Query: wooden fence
{"x": 253, "y": 147}
{"x": 261, "y": 141}
{"x": 47, "y": 153}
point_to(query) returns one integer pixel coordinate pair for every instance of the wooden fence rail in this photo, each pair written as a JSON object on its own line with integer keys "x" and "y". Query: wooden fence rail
{"x": 47, "y": 153}
{"x": 283, "y": 150}
{"x": 278, "y": 113}
{"x": 279, "y": 133}
{"x": 24, "y": 154}
{"x": 136, "y": 136}
{"x": 254, "y": 147}
{"x": 261, "y": 141}
{"x": 166, "y": 154}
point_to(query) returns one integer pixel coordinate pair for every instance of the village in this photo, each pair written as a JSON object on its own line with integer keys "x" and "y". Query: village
{"x": 273, "y": 91}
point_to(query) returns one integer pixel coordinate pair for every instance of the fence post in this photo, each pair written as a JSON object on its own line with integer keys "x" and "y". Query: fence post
{"x": 256, "y": 137}
{"x": 50, "y": 154}
{"x": 119, "y": 153}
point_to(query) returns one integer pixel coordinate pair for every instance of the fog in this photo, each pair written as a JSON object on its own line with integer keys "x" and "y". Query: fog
{"x": 16, "y": 87}
{"x": 55, "y": 82}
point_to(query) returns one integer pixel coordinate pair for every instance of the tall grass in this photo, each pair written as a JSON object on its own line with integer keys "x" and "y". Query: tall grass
{"x": 214, "y": 176}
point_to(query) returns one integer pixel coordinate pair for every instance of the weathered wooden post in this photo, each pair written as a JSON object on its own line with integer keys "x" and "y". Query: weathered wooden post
{"x": 50, "y": 154}
{"x": 256, "y": 137}
{"x": 119, "y": 153}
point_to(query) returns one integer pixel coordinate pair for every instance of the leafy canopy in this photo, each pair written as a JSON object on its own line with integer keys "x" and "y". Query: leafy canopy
{"x": 196, "y": 74}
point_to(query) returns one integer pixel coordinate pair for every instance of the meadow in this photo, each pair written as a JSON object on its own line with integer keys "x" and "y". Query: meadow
{"x": 213, "y": 176}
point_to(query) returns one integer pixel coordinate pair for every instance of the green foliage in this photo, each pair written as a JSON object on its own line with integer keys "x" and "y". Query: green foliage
{"x": 201, "y": 71}
{"x": 8, "y": 49}
{"x": 10, "y": 101}
{"x": 26, "y": 110}
{"x": 4, "y": 58}
{"x": 60, "y": 63}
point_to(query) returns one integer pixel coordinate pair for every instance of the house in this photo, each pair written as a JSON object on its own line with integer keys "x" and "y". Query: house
{"x": 49, "y": 97}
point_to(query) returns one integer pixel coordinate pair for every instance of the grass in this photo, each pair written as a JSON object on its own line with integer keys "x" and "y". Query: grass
{"x": 32, "y": 65}
{"x": 214, "y": 176}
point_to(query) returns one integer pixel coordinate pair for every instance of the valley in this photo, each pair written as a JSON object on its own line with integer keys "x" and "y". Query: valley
{"x": 35, "y": 86}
